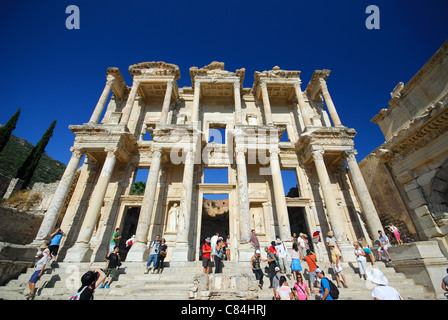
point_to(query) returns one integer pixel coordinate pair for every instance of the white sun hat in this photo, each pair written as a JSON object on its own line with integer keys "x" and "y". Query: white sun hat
{"x": 376, "y": 276}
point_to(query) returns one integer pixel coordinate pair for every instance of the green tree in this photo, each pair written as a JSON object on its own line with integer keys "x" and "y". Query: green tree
{"x": 26, "y": 171}
{"x": 5, "y": 131}
{"x": 138, "y": 188}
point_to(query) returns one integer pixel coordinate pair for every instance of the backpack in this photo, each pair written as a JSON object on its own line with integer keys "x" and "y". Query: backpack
{"x": 77, "y": 296}
{"x": 334, "y": 291}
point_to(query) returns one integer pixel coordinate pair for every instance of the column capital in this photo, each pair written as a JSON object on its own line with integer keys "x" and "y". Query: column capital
{"x": 236, "y": 84}
{"x": 318, "y": 154}
{"x": 157, "y": 151}
{"x": 297, "y": 84}
{"x": 350, "y": 154}
{"x": 274, "y": 152}
{"x": 111, "y": 152}
{"x": 263, "y": 84}
{"x": 323, "y": 85}
{"x": 77, "y": 151}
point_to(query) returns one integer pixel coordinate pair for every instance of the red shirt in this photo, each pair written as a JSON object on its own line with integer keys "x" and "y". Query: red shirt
{"x": 206, "y": 247}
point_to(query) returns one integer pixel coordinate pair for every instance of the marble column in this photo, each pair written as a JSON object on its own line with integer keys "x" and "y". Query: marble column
{"x": 126, "y": 113}
{"x": 279, "y": 196}
{"x": 81, "y": 250}
{"x": 330, "y": 201}
{"x": 181, "y": 251}
{"x": 370, "y": 214}
{"x": 167, "y": 101}
{"x": 139, "y": 249}
{"x": 195, "y": 111}
{"x": 237, "y": 97}
{"x": 52, "y": 214}
{"x": 243, "y": 196}
{"x": 266, "y": 103}
{"x": 101, "y": 102}
{"x": 329, "y": 102}
{"x": 302, "y": 104}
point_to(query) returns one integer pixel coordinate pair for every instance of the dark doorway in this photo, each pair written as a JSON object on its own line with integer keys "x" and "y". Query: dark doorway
{"x": 297, "y": 222}
{"x": 215, "y": 216}
{"x": 128, "y": 229}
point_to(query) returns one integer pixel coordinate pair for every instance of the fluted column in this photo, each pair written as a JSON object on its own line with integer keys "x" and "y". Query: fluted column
{"x": 80, "y": 251}
{"x": 266, "y": 103}
{"x": 330, "y": 200}
{"x": 181, "y": 251}
{"x": 52, "y": 214}
{"x": 167, "y": 101}
{"x": 138, "y": 249}
{"x": 237, "y": 97}
{"x": 329, "y": 102}
{"x": 370, "y": 213}
{"x": 126, "y": 113}
{"x": 302, "y": 105}
{"x": 101, "y": 102}
{"x": 279, "y": 196}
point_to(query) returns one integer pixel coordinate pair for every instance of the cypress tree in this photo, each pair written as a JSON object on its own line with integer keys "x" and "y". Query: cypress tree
{"x": 28, "y": 167}
{"x": 5, "y": 131}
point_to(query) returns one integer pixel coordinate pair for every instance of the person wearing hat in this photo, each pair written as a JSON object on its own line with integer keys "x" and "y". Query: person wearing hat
{"x": 302, "y": 244}
{"x": 256, "y": 268}
{"x": 38, "y": 270}
{"x": 324, "y": 285}
{"x": 382, "y": 291}
{"x": 317, "y": 241}
{"x": 282, "y": 254}
{"x": 276, "y": 279}
{"x": 206, "y": 251}
{"x": 336, "y": 264}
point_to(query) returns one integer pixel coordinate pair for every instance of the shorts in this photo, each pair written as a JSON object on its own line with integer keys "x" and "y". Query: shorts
{"x": 385, "y": 248}
{"x": 313, "y": 276}
{"x": 111, "y": 272}
{"x": 205, "y": 262}
{"x": 397, "y": 235}
{"x": 35, "y": 277}
{"x": 367, "y": 251}
{"x": 54, "y": 250}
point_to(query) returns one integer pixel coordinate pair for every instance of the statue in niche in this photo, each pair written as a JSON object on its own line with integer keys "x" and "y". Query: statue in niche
{"x": 173, "y": 216}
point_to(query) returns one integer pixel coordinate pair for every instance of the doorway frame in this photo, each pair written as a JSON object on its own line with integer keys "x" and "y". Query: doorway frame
{"x": 216, "y": 188}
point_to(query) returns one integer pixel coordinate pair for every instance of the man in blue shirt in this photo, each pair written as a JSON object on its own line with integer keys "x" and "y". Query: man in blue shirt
{"x": 324, "y": 285}
{"x": 55, "y": 241}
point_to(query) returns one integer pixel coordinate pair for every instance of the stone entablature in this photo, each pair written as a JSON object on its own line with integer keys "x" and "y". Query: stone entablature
{"x": 181, "y": 122}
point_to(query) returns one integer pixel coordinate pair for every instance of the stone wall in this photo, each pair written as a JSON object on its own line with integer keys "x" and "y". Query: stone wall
{"x": 18, "y": 227}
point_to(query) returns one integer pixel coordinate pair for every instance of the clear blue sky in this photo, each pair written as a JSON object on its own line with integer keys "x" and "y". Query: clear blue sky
{"x": 53, "y": 73}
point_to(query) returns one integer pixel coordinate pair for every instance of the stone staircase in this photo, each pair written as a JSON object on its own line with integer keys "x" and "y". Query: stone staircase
{"x": 62, "y": 280}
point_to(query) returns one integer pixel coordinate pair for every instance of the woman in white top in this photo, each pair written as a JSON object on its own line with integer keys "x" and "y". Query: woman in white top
{"x": 283, "y": 291}
{"x": 361, "y": 259}
{"x": 382, "y": 291}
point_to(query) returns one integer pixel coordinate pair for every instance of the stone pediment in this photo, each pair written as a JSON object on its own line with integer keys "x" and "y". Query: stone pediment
{"x": 216, "y": 70}
{"x": 153, "y": 68}
{"x": 276, "y": 73}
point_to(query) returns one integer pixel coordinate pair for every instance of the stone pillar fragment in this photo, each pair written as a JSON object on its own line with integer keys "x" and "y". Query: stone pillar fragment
{"x": 181, "y": 252}
{"x": 195, "y": 111}
{"x": 302, "y": 105}
{"x": 266, "y": 103}
{"x": 243, "y": 197}
{"x": 167, "y": 101}
{"x": 237, "y": 97}
{"x": 126, "y": 113}
{"x": 330, "y": 201}
{"x": 52, "y": 214}
{"x": 138, "y": 249}
{"x": 80, "y": 251}
{"x": 370, "y": 214}
{"x": 101, "y": 102}
{"x": 329, "y": 102}
{"x": 279, "y": 196}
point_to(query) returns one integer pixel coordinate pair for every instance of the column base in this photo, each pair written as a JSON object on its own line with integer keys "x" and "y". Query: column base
{"x": 246, "y": 251}
{"x": 139, "y": 252}
{"x": 181, "y": 253}
{"x": 347, "y": 251}
{"x": 80, "y": 252}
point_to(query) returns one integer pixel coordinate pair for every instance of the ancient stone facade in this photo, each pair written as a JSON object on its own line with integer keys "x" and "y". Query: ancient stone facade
{"x": 181, "y": 122}
{"x": 408, "y": 174}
